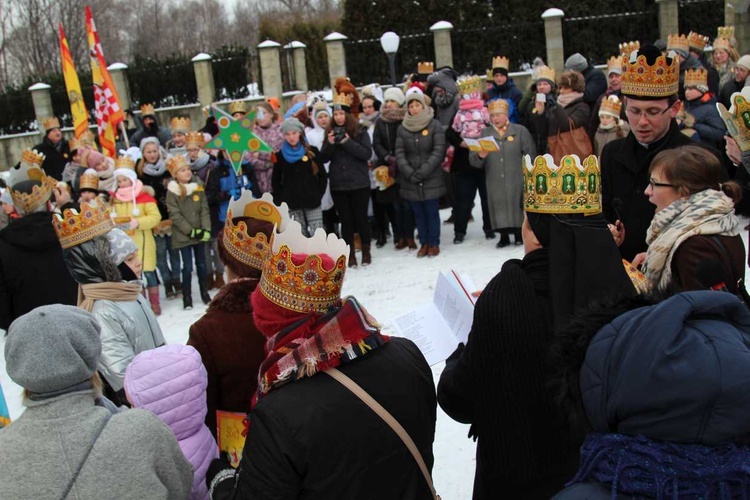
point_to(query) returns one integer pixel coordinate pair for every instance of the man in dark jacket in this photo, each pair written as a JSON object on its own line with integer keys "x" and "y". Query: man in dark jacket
{"x": 55, "y": 149}
{"x": 741, "y": 75}
{"x": 596, "y": 82}
{"x": 503, "y": 87}
{"x": 150, "y": 128}
{"x": 697, "y": 44}
{"x": 32, "y": 270}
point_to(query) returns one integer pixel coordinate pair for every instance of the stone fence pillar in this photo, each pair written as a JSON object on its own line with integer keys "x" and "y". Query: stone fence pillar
{"x": 336, "y": 56}
{"x": 669, "y": 21}
{"x": 441, "y": 32}
{"x": 42, "y": 99}
{"x": 270, "y": 69}
{"x": 737, "y": 14}
{"x": 204, "y": 79}
{"x": 300, "y": 65}
{"x": 120, "y": 78}
{"x": 554, "y": 39}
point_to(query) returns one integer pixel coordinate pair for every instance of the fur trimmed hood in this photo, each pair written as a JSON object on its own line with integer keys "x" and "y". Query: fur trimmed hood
{"x": 190, "y": 188}
{"x": 234, "y": 297}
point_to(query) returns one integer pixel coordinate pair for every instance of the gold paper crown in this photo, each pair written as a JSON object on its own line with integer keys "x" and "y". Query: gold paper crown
{"x": 639, "y": 280}
{"x": 640, "y": 79}
{"x": 195, "y": 139}
{"x": 125, "y": 161}
{"x": 697, "y": 41}
{"x": 737, "y": 118}
{"x": 545, "y": 72}
{"x": 308, "y": 287}
{"x": 498, "y": 106}
{"x": 500, "y": 62}
{"x": 425, "y": 68}
{"x": 342, "y": 100}
{"x": 148, "y": 109}
{"x": 252, "y": 249}
{"x": 629, "y": 47}
{"x": 180, "y": 124}
{"x": 238, "y": 107}
{"x": 612, "y": 105}
{"x": 383, "y": 177}
{"x": 320, "y": 106}
{"x": 723, "y": 43}
{"x": 678, "y": 42}
{"x": 571, "y": 188}
{"x": 470, "y": 86}
{"x": 614, "y": 63}
{"x": 76, "y": 227}
{"x": 87, "y": 139}
{"x": 74, "y": 144}
{"x": 89, "y": 180}
{"x": 489, "y": 76}
{"x": 29, "y": 169}
{"x": 32, "y": 157}
{"x": 175, "y": 163}
{"x": 696, "y": 78}
{"x": 725, "y": 32}
{"x": 50, "y": 123}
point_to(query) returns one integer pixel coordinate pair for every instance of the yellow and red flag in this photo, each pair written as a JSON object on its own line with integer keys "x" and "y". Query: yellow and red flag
{"x": 108, "y": 111}
{"x": 73, "y": 87}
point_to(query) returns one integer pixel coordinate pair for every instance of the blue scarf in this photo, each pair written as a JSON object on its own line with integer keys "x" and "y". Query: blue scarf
{"x": 642, "y": 467}
{"x": 292, "y": 154}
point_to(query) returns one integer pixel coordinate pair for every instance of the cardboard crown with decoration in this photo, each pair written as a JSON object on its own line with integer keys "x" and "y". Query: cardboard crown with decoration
{"x": 650, "y": 81}
{"x": 29, "y": 185}
{"x": 572, "y": 187}
{"x": 74, "y": 227}
{"x": 737, "y": 118}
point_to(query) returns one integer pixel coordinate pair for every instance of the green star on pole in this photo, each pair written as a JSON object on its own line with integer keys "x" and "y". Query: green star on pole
{"x": 235, "y": 137}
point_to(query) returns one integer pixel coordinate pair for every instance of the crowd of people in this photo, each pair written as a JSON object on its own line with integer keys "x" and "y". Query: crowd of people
{"x": 609, "y": 362}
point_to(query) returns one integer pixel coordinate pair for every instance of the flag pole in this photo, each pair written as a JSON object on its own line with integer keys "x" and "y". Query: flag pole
{"x": 125, "y": 134}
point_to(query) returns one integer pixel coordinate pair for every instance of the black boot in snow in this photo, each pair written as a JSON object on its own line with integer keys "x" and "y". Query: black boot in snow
{"x": 187, "y": 296}
{"x": 205, "y": 297}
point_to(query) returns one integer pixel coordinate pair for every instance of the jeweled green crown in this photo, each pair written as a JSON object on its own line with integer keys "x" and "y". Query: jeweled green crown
{"x": 570, "y": 188}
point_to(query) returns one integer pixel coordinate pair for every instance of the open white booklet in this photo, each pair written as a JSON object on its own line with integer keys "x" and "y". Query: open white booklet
{"x": 438, "y": 327}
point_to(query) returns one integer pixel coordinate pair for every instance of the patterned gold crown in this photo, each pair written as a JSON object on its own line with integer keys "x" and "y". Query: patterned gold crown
{"x": 737, "y": 118}
{"x": 308, "y": 287}
{"x": 640, "y": 79}
{"x": 252, "y": 249}
{"x": 545, "y": 72}
{"x": 723, "y": 43}
{"x": 629, "y": 47}
{"x": 180, "y": 124}
{"x": 697, "y": 41}
{"x": 470, "y": 87}
{"x": 50, "y": 123}
{"x": 342, "y": 100}
{"x": 614, "y": 63}
{"x": 195, "y": 139}
{"x": 89, "y": 180}
{"x": 29, "y": 169}
{"x": 678, "y": 42}
{"x": 489, "y": 76}
{"x": 32, "y": 157}
{"x": 238, "y": 107}
{"x": 383, "y": 177}
{"x": 612, "y": 105}
{"x": 725, "y": 32}
{"x": 498, "y": 106}
{"x": 425, "y": 68}
{"x": 570, "y": 188}
{"x": 74, "y": 144}
{"x": 696, "y": 78}
{"x": 500, "y": 62}
{"x": 125, "y": 161}
{"x": 175, "y": 163}
{"x": 147, "y": 109}
{"x": 75, "y": 227}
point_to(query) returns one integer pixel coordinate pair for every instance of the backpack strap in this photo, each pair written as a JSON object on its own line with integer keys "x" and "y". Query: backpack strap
{"x": 85, "y": 457}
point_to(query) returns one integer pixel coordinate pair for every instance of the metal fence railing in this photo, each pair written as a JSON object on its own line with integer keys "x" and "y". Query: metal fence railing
{"x": 162, "y": 83}
{"x": 473, "y": 48}
{"x": 367, "y": 63}
{"x": 701, "y": 16}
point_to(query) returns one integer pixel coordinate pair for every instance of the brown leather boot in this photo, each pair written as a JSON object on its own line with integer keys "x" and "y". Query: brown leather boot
{"x": 433, "y": 251}
{"x": 411, "y": 243}
{"x": 401, "y": 244}
{"x": 352, "y": 257}
{"x": 210, "y": 281}
{"x": 219, "y": 281}
{"x": 423, "y": 251}
{"x": 153, "y": 299}
{"x": 366, "y": 257}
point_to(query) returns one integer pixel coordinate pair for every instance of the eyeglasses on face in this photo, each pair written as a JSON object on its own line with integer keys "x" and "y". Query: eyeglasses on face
{"x": 649, "y": 113}
{"x": 654, "y": 184}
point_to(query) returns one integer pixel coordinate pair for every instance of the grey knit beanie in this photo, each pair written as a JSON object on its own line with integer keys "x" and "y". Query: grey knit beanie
{"x": 120, "y": 246}
{"x": 394, "y": 94}
{"x": 52, "y": 348}
{"x": 291, "y": 124}
{"x": 577, "y": 62}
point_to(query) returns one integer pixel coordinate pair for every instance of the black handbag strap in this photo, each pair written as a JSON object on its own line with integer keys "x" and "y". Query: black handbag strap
{"x": 85, "y": 457}
{"x": 741, "y": 290}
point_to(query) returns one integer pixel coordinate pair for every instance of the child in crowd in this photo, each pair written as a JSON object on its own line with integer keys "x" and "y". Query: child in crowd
{"x": 699, "y": 119}
{"x": 179, "y": 128}
{"x": 170, "y": 381}
{"x": 298, "y": 179}
{"x": 191, "y": 225}
{"x": 611, "y": 127}
{"x": 135, "y": 211}
{"x": 88, "y": 187}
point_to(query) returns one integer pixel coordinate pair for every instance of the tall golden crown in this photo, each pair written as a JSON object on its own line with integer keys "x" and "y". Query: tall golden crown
{"x": 252, "y": 249}
{"x": 470, "y": 86}
{"x": 147, "y": 109}
{"x": 640, "y": 79}
{"x": 570, "y": 188}
{"x": 629, "y": 47}
{"x": 74, "y": 144}
{"x": 696, "y": 78}
{"x": 238, "y": 107}
{"x": 737, "y": 118}
{"x": 500, "y": 62}
{"x": 678, "y": 42}
{"x": 74, "y": 227}
{"x": 545, "y": 72}
{"x": 614, "y": 63}
{"x": 50, "y": 123}
{"x": 498, "y": 106}
{"x": 342, "y": 100}
{"x": 425, "y": 68}
{"x": 697, "y": 41}
{"x": 175, "y": 163}
{"x": 125, "y": 161}
{"x": 32, "y": 157}
{"x": 195, "y": 139}
{"x": 612, "y": 105}
{"x": 723, "y": 43}
{"x": 89, "y": 180}
{"x": 308, "y": 287}
{"x": 180, "y": 124}
{"x": 29, "y": 169}
{"x": 725, "y": 32}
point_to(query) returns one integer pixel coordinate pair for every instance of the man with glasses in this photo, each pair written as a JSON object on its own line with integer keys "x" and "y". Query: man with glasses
{"x": 651, "y": 104}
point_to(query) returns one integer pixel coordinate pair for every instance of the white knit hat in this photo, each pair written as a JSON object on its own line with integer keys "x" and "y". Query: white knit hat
{"x": 130, "y": 174}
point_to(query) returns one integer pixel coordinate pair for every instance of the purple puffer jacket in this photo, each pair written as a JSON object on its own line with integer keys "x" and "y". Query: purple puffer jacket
{"x": 170, "y": 381}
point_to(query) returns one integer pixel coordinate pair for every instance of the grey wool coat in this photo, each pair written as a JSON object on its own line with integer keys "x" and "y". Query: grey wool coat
{"x": 136, "y": 456}
{"x": 419, "y": 156}
{"x": 504, "y": 174}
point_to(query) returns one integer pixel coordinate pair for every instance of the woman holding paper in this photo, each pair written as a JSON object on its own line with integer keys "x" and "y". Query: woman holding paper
{"x": 503, "y": 171}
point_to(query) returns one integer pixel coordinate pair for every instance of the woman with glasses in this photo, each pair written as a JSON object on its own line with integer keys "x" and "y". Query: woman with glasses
{"x": 694, "y": 235}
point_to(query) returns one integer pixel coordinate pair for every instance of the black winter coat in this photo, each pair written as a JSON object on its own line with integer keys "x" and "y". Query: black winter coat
{"x": 349, "y": 169}
{"x": 314, "y": 439}
{"x": 159, "y": 185}
{"x": 419, "y": 156}
{"x": 596, "y": 85}
{"x": 384, "y": 140}
{"x": 498, "y": 383}
{"x": 54, "y": 160}
{"x": 296, "y": 184}
{"x": 32, "y": 270}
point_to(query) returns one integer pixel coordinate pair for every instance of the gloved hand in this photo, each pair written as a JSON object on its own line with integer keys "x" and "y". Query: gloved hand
{"x": 206, "y": 235}
{"x": 197, "y": 234}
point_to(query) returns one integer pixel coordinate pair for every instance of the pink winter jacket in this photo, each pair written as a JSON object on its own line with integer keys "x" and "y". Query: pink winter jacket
{"x": 170, "y": 381}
